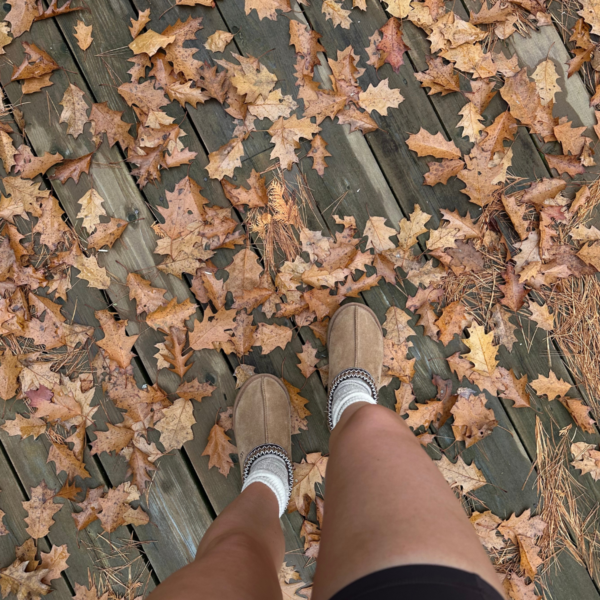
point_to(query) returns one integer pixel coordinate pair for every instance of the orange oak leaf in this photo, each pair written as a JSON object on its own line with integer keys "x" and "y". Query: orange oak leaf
{"x": 318, "y": 152}
{"x": 116, "y": 343}
{"x": 308, "y": 360}
{"x": 550, "y": 386}
{"x": 148, "y": 298}
{"x": 73, "y": 168}
{"x": 472, "y": 420}
{"x": 307, "y": 474}
{"x": 218, "y": 450}
{"x": 392, "y": 46}
{"x": 270, "y": 337}
{"x": 426, "y": 144}
{"x": 83, "y": 35}
{"x": 107, "y": 234}
{"x": 40, "y": 511}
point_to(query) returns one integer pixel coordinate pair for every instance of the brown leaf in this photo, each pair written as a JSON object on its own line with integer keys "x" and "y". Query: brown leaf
{"x": 308, "y": 360}
{"x": 255, "y": 197}
{"x": 176, "y": 425}
{"x": 83, "y": 34}
{"x": 115, "y": 343}
{"x": 113, "y": 440}
{"x": 472, "y": 420}
{"x": 139, "y": 24}
{"x": 580, "y": 414}
{"x": 395, "y": 361}
{"x": 21, "y": 15}
{"x": 10, "y": 368}
{"x": 215, "y": 327}
{"x": 107, "y": 234}
{"x": 91, "y": 209}
{"x": 565, "y": 164}
{"x": 299, "y": 410}
{"x": 219, "y": 39}
{"x": 541, "y": 315}
{"x": 307, "y": 474}
{"x": 105, "y": 120}
{"x": 460, "y": 475}
{"x": 440, "y": 78}
{"x": 148, "y": 298}
{"x": 515, "y": 389}
{"x": 550, "y": 386}
{"x": 40, "y": 511}
{"x": 486, "y": 527}
{"x": 452, "y": 321}
{"x": 514, "y": 291}
{"x": 482, "y": 350}
{"x": 523, "y": 531}
{"x": 526, "y": 106}
{"x": 171, "y": 315}
{"x": 392, "y": 46}
{"x": 270, "y": 337}
{"x": 194, "y": 390}
{"x": 426, "y": 144}
{"x": 404, "y": 398}
{"x": 333, "y": 10}
{"x": 440, "y": 172}
{"x": 503, "y": 328}
{"x": 29, "y": 165}
{"x": 218, "y": 449}
{"x": 226, "y": 159}
{"x": 36, "y": 64}
{"x": 380, "y": 98}
{"x": 286, "y": 133}
{"x": 587, "y": 460}
{"x": 23, "y": 584}
{"x": 73, "y": 168}
{"x": 318, "y": 152}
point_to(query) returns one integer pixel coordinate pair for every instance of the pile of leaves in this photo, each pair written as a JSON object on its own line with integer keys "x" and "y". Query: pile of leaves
{"x": 470, "y": 279}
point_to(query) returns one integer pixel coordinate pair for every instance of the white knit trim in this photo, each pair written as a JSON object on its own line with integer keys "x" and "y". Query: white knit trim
{"x": 271, "y": 471}
{"x": 348, "y": 392}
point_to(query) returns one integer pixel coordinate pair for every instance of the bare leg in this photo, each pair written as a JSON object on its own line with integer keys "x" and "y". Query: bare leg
{"x": 238, "y": 557}
{"x": 388, "y": 505}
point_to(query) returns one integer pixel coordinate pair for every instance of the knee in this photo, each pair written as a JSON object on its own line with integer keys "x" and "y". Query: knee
{"x": 229, "y": 542}
{"x": 372, "y": 419}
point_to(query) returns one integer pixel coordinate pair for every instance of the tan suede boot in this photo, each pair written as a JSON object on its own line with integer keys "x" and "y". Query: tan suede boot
{"x": 262, "y": 422}
{"x": 355, "y": 344}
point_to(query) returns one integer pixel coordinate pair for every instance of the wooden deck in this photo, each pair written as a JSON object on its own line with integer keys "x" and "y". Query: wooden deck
{"x": 379, "y": 177}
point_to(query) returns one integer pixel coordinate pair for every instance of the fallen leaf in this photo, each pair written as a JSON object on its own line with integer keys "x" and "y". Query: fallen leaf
{"x": 380, "y": 98}
{"x": 550, "y": 386}
{"x": 176, "y": 425}
{"x": 472, "y": 420}
{"x": 426, "y": 144}
{"x": 83, "y": 34}
{"x": 91, "y": 209}
{"x": 40, "y": 511}
{"x": 307, "y": 474}
{"x": 73, "y": 168}
{"x": 218, "y": 40}
{"x": 460, "y": 475}
{"x": 115, "y": 343}
{"x": 218, "y": 449}
{"x": 392, "y": 46}
{"x": 23, "y": 584}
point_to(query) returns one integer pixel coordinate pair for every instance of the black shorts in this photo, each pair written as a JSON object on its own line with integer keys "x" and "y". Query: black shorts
{"x": 419, "y": 582}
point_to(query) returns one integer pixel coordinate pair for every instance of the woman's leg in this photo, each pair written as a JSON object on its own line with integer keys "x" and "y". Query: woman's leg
{"x": 239, "y": 556}
{"x": 388, "y": 505}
